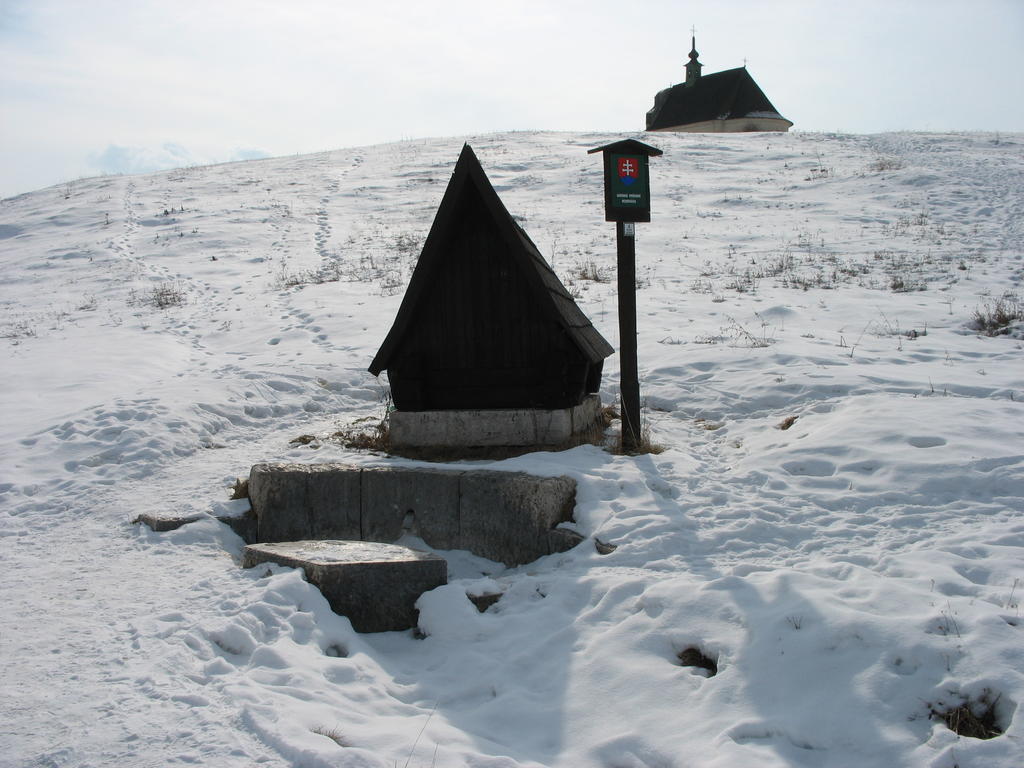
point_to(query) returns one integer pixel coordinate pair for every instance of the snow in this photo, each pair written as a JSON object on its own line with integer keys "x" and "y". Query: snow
{"x": 847, "y": 573}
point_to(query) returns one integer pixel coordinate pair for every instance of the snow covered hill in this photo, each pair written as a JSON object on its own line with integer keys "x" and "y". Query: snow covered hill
{"x": 836, "y": 519}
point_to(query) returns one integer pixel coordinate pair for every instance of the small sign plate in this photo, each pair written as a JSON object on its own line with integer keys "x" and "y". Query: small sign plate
{"x": 629, "y": 229}
{"x": 627, "y": 190}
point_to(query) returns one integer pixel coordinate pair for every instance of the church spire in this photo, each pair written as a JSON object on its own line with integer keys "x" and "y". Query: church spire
{"x": 693, "y": 66}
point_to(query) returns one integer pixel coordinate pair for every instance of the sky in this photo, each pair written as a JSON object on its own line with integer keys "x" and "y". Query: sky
{"x": 90, "y": 87}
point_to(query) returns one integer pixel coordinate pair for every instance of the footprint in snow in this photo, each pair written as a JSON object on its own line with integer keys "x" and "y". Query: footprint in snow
{"x": 926, "y": 442}
{"x": 810, "y": 468}
{"x": 974, "y": 573}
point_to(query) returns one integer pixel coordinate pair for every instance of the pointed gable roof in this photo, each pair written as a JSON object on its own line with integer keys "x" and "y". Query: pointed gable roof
{"x": 731, "y": 94}
{"x": 469, "y": 181}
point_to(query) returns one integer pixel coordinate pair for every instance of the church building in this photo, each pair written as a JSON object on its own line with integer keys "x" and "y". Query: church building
{"x": 724, "y": 102}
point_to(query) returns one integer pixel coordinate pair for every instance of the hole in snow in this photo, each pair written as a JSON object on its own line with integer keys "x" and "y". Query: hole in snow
{"x": 484, "y": 601}
{"x": 694, "y": 657}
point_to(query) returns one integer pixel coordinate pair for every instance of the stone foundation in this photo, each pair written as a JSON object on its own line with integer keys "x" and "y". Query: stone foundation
{"x": 510, "y": 517}
{"x": 505, "y": 428}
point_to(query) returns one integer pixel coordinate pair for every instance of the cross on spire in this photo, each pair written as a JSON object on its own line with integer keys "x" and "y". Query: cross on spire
{"x": 693, "y": 66}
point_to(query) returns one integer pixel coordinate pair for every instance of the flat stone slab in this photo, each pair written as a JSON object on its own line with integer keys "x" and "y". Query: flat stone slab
{"x": 161, "y": 523}
{"x": 235, "y": 514}
{"x": 375, "y": 585}
{"x": 500, "y": 428}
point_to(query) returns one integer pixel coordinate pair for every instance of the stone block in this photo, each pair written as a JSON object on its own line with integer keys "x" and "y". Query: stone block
{"x": 245, "y": 527}
{"x": 236, "y": 514}
{"x": 277, "y": 493}
{"x": 563, "y": 539}
{"x": 484, "y": 601}
{"x": 375, "y": 585}
{"x": 161, "y": 523}
{"x": 333, "y": 495}
{"x": 294, "y": 502}
{"x": 508, "y": 516}
{"x": 426, "y": 501}
{"x": 503, "y": 516}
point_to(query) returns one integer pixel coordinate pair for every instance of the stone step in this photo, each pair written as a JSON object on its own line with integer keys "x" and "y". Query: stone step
{"x": 375, "y": 585}
{"x": 236, "y": 514}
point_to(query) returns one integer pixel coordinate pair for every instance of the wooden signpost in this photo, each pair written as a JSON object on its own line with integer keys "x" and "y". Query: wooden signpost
{"x": 627, "y": 200}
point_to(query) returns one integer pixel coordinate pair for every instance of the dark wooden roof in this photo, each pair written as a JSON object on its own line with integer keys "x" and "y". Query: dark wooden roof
{"x": 731, "y": 94}
{"x": 469, "y": 181}
{"x": 628, "y": 147}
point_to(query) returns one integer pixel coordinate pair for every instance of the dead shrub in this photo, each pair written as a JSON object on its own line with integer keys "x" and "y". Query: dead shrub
{"x": 886, "y": 163}
{"x": 588, "y": 270}
{"x": 162, "y": 296}
{"x": 372, "y": 437}
{"x": 975, "y": 719}
{"x": 995, "y": 317}
{"x": 645, "y": 445}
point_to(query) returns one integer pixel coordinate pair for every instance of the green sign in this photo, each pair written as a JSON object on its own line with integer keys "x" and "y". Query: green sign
{"x": 627, "y": 187}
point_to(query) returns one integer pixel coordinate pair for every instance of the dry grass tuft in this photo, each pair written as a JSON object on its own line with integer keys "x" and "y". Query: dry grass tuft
{"x": 886, "y": 163}
{"x": 710, "y": 426}
{"x": 240, "y": 490}
{"x": 333, "y": 734}
{"x": 995, "y": 317}
{"x": 162, "y": 296}
{"x": 964, "y": 718}
{"x": 373, "y": 437}
{"x": 588, "y": 270}
{"x": 609, "y": 413}
{"x": 645, "y": 445}
{"x": 787, "y": 422}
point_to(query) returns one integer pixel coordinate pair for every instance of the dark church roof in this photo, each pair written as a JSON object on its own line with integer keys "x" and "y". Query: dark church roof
{"x": 728, "y": 95}
{"x": 470, "y": 192}
{"x": 731, "y": 94}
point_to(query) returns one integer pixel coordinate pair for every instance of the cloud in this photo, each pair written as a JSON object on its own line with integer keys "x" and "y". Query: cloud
{"x": 120, "y": 159}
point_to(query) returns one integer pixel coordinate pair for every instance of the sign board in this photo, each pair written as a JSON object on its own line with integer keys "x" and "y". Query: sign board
{"x": 627, "y": 185}
{"x": 629, "y": 188}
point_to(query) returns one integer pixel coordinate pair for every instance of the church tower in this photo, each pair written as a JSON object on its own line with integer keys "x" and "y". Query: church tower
{"x": 693, "y": 66}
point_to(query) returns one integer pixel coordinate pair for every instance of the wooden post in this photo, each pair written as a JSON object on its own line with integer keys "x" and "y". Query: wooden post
{"x": 629, "y": 383}
{"x": 627, "y": 199}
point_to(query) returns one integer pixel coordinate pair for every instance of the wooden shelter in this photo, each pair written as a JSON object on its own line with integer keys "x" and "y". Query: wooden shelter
{"x": 485, "y": 323}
